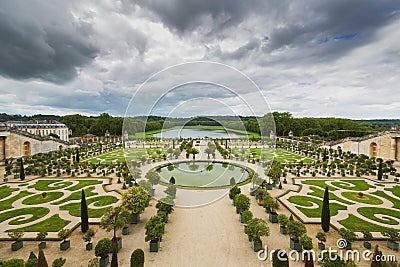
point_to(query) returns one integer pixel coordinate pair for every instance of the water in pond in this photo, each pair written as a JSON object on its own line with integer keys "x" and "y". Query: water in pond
{"x": 203, "y": 174}
{"x": 197, "y": 133}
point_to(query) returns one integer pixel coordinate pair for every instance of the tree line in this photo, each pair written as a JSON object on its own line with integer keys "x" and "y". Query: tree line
{"x": 325, "y": 128}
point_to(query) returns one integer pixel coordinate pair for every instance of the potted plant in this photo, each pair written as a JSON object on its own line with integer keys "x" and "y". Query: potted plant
{"x": 347, "y": 235}
{"x": 256, "y": 181}
{"x": 41, "y": 237}
{"x": 113, "y": 219}
{"x": 261, "y": 193}
{"x": 270, "y": 206}
{"x": 257, "y": 228}
{"x": 16, "y": 235}
{"x": 166, "y": 205}
{"x": 88, "y": 239}
{"x": 246, "y": 217}
{"x": 242, "y": 203}
{"x": 307, "y": 244}
{"x": 321, "y": 236}
{"x": 102, "y": 250}
{"x": 135, "y": 200}
{"x": 233, "y": 192}
{"x": 154, "y": 178}
{"x": 171, "y": 191}
{"x": 367, "y": 238}
{"x": 63, "y": 234}
{"x": 393, "y": 238}
{"x": 154, "y": 231}
{"x": 283, "y": 220}
{"x": 295, "y": 230}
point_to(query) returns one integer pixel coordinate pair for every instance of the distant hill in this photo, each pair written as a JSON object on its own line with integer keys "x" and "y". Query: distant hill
{"x": 381, "y": 122}
{"x": 6, "y": 117}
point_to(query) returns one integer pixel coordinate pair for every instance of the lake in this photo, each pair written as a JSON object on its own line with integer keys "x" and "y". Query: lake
{"x": 198, "y": 133}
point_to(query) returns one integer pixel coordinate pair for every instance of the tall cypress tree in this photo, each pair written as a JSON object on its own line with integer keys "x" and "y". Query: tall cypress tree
{"x": 42, "y": 260}
{"x": 84, "y": 214}
{"x": 21, "y": 170}
{"x": 77, "y": 155}
{"x": 324, "y": 156}
{"x": 326, "y": 214}
{"x": 380, "y": 171}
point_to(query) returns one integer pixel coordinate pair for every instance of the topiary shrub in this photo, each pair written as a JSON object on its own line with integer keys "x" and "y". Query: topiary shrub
{"x": 137, "y": 258}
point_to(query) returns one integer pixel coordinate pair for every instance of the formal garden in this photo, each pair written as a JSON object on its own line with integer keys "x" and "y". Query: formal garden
{"x": 358, "y": 205}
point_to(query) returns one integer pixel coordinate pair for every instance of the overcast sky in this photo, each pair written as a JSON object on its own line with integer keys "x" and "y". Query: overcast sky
{"x": 312, "y": 58}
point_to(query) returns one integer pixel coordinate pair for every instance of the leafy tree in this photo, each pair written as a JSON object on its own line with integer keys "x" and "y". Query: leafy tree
{"x": 233, "y": 192}
{"x": 16, "y": 235}
{"x": 166, "y": 205}
{"x": 137, "y": 258}
{"x": 42, "y": 260}
{"x": 256, "y": 228}
{"x": 64, "y": 234}
{"x": 135, "y": 200}
{"x": 153, "y": 177}
{"x": 296, "y": 229}
{"x": 283, "y": 220}
{"x": 247, "y": 215}
{"x": 88, "y": 235}
{"x": 103, "y": 248}
{"x": 154, "y": 229}
{"x": 84, "y": 213}
{"x": 347, "y": 234}
{"x": 242, "y": 202}
{"x": 326, "y": 214}
{"x": 113, "y": 219}
{"x": 321, "y": 236}
{"x": 271, "y": 204}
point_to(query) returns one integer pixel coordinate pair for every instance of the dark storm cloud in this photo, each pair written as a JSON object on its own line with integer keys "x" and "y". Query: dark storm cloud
{"x": 185, "y": 16}
{"x": 42, "y": 39}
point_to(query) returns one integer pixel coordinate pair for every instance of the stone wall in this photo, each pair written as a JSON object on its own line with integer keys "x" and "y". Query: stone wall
{"x": 15, "y": 144}
{"x": 386, "y": 145}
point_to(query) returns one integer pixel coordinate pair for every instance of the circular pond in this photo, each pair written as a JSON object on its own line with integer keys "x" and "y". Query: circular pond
{"x": 203, "y": 174}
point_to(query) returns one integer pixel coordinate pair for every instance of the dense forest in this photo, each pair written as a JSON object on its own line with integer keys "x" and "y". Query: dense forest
{"x": 324, "y": 128}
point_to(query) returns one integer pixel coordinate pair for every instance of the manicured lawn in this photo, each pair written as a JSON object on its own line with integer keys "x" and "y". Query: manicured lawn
{"x": 356, "y": 185}
{"x": 35, "y": 213}
{"x": 50, "y": 185}
{"x": 5, "y": 191}
{"x": 52, "y": 224}
{"x": 318, "y": 192}
{"x": 74, "y": 209}
{"x": 7, "y": 204}
{"x": 396, "y": 202}
{"x": 314, "y": 213}
{"x": 367, "y": 199}
{"x": 38, "y": 199}
{"x": 395, "y": 190}
{"x": 82, "y": 184}
{"x": 320, "y": 183}
{"x": 371, "y": 212}
{"x": 358, "y": 225}
{"x": 76, "y": 196}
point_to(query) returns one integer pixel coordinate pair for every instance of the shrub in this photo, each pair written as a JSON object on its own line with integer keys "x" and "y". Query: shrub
{"x": 137, "y": 258}
{"x": 103, "y": 248}
{"x": 283, "y": 220}
{"x": 16, "y": 235}
{"x": 13, "y": 263}
{"x": 348, "y": 235}
{"x": 41, "y": 236}
{"x": 88, "y": 236}
{"x": 64, "y": 234}
{"x": 233, "y": 192}
{"x": 242, "y": 202}
{"x": 306, "y": 242}
{"x": 280, "y": 261}
{"x": 247, "y": 216}
{"x": 296, "y": 229}
{"x": 321, "y": 236}
{"x": 58, "y": 262}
